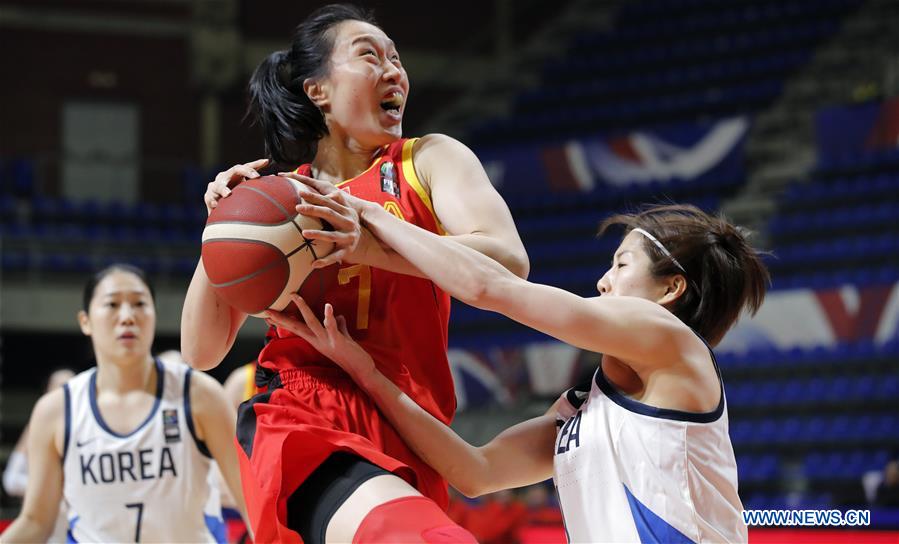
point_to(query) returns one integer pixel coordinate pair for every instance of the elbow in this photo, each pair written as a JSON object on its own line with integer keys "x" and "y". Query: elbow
{"x": 195, "y": 358}
{"x": 520, "y": 264}
{"x": 471, "y": 492}
{"x": 474, "y": 478}
{"x": 493, "y": 291}
{"x": 477, "y": 292}
{"x": 471, "y": 489}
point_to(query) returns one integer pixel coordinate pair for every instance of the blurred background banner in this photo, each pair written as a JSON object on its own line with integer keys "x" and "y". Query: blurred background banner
{"x": 683, "y": 152}
{"x": 806, "y": 318}
{"x": 846, "y": 130}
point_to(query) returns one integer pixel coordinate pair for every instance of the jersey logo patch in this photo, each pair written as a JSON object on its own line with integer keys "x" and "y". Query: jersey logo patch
{"x": 388, "y": 180}
{"x": 170, "y": 427}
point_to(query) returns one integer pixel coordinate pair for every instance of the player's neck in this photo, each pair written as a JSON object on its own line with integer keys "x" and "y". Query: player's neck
{"x": 128, "y": 375}
{"x": 338, "y": 159}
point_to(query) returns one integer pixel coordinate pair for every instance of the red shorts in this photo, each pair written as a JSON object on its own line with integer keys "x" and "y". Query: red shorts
{"x": 286, "y": 433}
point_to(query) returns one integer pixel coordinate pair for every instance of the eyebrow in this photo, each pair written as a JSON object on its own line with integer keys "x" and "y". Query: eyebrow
{"x": 120, "y": 293}
{"x": 621, "y": 254}
{"x": 370, "y": 38}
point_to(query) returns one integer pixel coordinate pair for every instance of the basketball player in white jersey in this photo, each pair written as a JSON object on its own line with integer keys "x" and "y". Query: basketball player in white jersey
{"x": 641, "y": 453}
{"x": 128, "y": 444}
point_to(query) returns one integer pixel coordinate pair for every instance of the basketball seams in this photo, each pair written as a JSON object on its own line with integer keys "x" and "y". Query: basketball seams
{"x": 305, "y": 245}
{"x": 270, "y": 199}
{"x": 251, "y": 275}
{"x": 262, "y": 223}
{"x": 253, "y": 223}
{"x": 297, "y": 274}
{"x": 281, "y": 236}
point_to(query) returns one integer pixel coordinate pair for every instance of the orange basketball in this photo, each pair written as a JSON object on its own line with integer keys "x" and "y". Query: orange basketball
{"x": 254, "y": 251}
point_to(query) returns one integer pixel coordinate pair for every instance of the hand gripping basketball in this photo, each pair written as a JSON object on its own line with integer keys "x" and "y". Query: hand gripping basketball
{"x": 221, "y": 186}
{"x": 338, "y": 209}
{"x": 254, "y": 251}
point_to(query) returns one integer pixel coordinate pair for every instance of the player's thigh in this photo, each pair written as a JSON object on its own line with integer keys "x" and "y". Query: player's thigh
{"x": 368, "y": 496}
{"x": 349, "y": 499}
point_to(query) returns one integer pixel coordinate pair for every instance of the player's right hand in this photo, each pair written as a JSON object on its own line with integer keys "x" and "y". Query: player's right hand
{"x": 221, "y": 186}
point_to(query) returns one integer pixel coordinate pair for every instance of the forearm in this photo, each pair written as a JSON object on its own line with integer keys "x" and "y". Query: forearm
{"x": 380, "y": 255}
{"x": 232, "y": 479}
{"x": 26, "y": 529}
{"x": 463, "y": 465}
{"x": 208, "y": 324}
{"x": 448, "y": 261}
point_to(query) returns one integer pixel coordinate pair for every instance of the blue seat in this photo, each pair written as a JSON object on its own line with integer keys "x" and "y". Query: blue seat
{"x": 15, "y": 261}
{"x": 887, "y": 388}
{"x": 22, "y": 177}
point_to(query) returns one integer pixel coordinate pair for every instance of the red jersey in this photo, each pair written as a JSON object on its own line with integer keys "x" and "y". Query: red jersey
{"x": 309, "y": 408}
{"x": 400, "y": 320}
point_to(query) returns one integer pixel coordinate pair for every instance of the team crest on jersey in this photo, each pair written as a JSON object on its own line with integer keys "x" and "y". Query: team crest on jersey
{"x": 388, "y": 179}
{"x": 170, "y": 427}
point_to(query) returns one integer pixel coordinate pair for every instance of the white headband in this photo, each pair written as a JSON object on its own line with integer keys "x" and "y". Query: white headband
{"x": 661, "y": 248}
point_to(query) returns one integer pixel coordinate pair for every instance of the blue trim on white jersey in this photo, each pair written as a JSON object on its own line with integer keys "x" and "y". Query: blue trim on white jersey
{"x": 216, "y": 528}
{"x": 577, "y": 395}
{"x": 188, "y": 415}
{"x": 651, "y": 528}
{"x": 70, "y": 538}
{"x": 67, "y": 396}
{"x": 92, "y": 393}
{"x": 638, "y": 407}
{"x": 663, "y": 413}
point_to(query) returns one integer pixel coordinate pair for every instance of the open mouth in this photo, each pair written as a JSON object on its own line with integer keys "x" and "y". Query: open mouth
{"x": 393, "y": 102}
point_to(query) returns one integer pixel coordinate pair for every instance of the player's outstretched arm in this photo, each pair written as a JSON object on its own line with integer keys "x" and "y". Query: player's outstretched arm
{"x": 636, "y": 331}
{"x": 520, "y": 455}
{"x": 215, "y": 420}
{"x": 209, "y": 325}
{"x": 44, "y": 491}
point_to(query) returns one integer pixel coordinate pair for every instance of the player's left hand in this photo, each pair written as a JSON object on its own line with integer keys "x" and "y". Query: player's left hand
{"x": 330, "y": 337}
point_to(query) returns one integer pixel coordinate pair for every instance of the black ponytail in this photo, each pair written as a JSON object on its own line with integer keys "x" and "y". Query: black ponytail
{"x": 292, "y": 125}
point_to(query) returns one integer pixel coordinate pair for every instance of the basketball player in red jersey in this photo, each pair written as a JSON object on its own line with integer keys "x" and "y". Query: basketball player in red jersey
{"x": 318, "y": 460}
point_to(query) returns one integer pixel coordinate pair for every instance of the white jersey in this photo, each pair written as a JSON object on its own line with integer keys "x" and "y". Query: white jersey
{"x": 629, "y": 472}
{"x": 149, "y": 485}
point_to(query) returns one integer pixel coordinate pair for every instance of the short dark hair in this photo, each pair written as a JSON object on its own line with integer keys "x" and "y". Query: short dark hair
{"x": 292, "y": 125}
{"x": 98, "y": 276}
{"x": 725, "y": 274}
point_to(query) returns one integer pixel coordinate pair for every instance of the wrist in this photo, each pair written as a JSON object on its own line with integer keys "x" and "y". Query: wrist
{"x": 368, "y": 211}
{"x": 367, "y": 377}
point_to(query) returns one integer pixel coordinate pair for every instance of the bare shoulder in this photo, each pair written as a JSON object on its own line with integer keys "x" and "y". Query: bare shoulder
{"x": 435, "y": 149}
{"x": 50, "y": 408}
{"x": 205, "y": 391}
{"x": 680, "y": 344}
{"x": 48, "y": 418}
{"x": 437, "y": 156}
{"x": 436, "y": 141}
